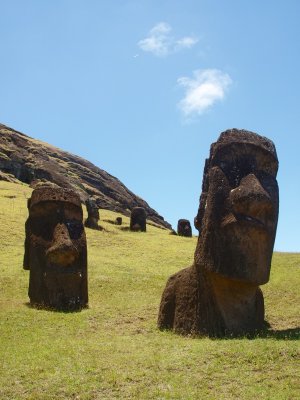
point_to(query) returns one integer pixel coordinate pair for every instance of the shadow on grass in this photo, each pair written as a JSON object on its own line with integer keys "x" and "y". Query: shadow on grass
{"x": 284, "y": 334}
{"x": 110, "y": 221}
{"x": 99, "y": 228}
{"x": 267, "y": 333}
{"x": 125, "y": 228}
{"x": 41, "y": 307}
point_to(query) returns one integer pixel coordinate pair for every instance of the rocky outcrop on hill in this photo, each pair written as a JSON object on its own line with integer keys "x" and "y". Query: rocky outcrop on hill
{"x": 28, "y": 160}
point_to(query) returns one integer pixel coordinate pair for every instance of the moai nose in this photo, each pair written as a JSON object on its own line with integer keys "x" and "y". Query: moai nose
{"x": 250, "y": 197}
{"x": 62, "y": 251}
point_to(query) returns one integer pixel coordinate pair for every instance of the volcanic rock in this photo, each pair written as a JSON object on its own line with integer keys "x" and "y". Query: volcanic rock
{"x": 25, "y": 159}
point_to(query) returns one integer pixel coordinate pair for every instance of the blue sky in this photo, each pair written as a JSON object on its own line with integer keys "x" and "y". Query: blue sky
{"x": 142, "y": 88}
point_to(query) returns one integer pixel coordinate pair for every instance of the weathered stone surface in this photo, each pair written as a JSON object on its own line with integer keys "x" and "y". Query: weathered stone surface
{"x": 32, "y": 161}
{"x": 237, "y": 219}
{"x": 7, "y": 177}
{"x": 55, "y": 250}
{"x": 93, "y": 214}
{"x": 184, "y": 228}
{"x": 138, "y": 219}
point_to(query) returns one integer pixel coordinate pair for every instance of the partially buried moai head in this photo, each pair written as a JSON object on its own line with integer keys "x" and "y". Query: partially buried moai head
{"x": 55, "y": 249}
{"x": 238, "y": 212}
{"x": 138, "y": 219}
{"x": 118, "y": 221}
{"x": 184, "y": 228}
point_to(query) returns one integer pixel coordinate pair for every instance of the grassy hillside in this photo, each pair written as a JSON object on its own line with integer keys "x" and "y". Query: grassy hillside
{"x": 113, "y": 350}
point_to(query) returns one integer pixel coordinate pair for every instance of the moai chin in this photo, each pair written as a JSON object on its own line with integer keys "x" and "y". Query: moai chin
{"x": 138, "y": 219}
{"x": 55, "y": 250}
{"x": 93, "y": 214}
{"x": 237, "y": 219}
{"x": 184, "y": 228}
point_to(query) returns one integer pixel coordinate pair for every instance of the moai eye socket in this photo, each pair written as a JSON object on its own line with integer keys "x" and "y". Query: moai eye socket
{"x": 236, "y": 168}
{"x": 42, "y": 227}
{"x": 75, "y": 229}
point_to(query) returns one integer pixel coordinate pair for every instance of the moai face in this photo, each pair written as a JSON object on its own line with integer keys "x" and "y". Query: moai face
{"x": 238, "y": 210}
{"x": 55, "y": 249}
{"x": 138, "y": 219}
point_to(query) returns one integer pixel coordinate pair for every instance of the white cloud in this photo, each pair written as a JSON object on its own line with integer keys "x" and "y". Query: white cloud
{"x": 203, "y": 90}
{"x": 186, "y": 42}
{"x": 161, "y": 43}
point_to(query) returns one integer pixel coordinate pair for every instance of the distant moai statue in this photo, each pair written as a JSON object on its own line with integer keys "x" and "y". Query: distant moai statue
{"x": 118, "y": 221}
{"x": 237, "y": 219}
{"x": 138, "y": 219}
{"x": 184, "y": 228}
{"x": 93, "y": 214}
{"x": 55, "y": 250}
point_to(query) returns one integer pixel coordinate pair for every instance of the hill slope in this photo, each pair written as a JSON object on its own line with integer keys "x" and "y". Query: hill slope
{"x": 31, "y": 161}
{"x": 113, "y": 350}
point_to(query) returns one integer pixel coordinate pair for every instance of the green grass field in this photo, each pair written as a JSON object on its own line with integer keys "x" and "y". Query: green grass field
{"x": 113, "y": 350}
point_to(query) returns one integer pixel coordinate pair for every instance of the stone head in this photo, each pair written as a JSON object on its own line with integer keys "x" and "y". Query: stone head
{"x": 55, "y": 249}
{"x": 184, "y": 228}
{"x": 118, "y": 221}
{"x": 238, "y": 211}
{"x": 93, "y": 214}
{"x": 138, "y": 219}
{"x": 92, "y": 208}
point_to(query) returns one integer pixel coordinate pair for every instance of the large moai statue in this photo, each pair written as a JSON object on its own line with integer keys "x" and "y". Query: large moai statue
{"x": 237, "y": 219}
{"x": 93, "y": 214}
{"x": 55, "y": 250}
{"x": 138, "y": 219}
{"x": 184, "y": 228}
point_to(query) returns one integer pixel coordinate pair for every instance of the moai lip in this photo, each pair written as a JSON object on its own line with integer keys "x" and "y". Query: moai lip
{"x": 237, "y": 219}
{"x": 56, "y": 250}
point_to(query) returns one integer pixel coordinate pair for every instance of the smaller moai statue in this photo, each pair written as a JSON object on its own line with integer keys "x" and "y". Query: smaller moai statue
{"x": 184, "y": 228}
{"x": 93, "y": 214}
{"x": 56, "y": 250}
{"x": 118, "y": 221}
{"x": 138, "y": 219}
